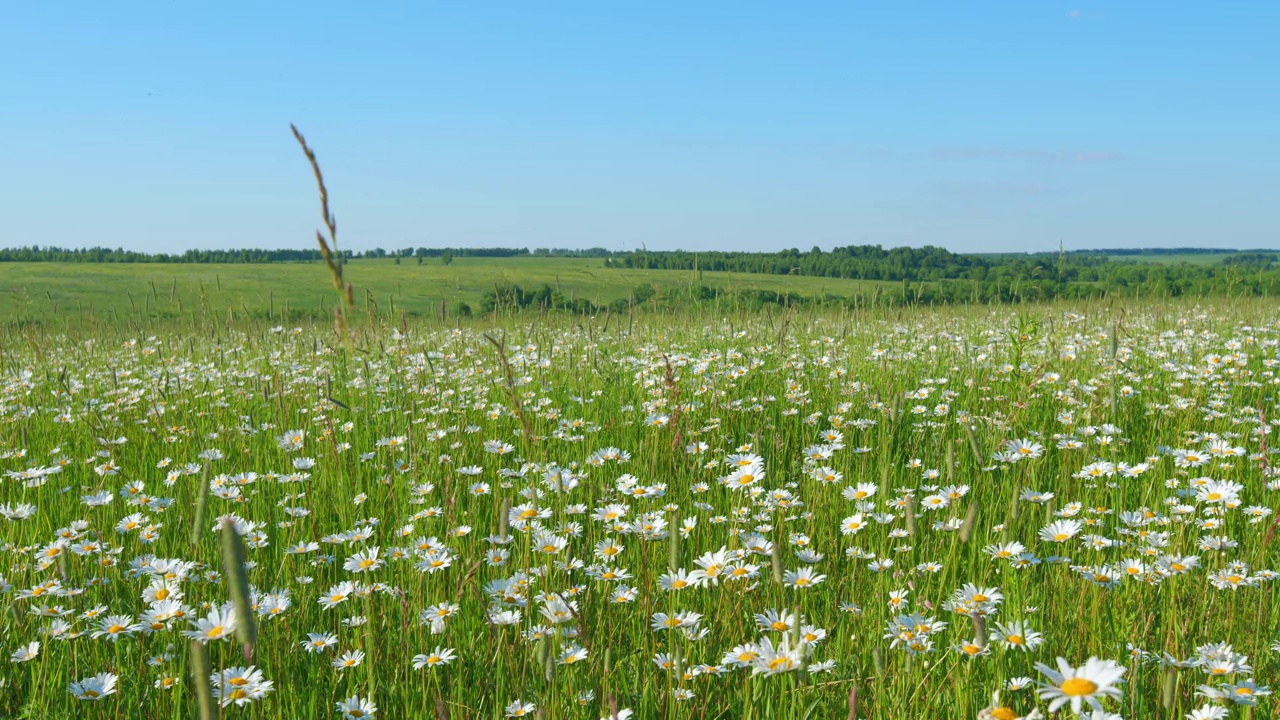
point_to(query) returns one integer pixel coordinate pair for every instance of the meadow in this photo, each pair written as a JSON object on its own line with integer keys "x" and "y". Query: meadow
{"x": 115, "y": 292}
{"x": 1043, "y": 511}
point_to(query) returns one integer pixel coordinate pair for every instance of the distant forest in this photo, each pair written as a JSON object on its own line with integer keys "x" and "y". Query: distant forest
{"x": 120, "y": 255}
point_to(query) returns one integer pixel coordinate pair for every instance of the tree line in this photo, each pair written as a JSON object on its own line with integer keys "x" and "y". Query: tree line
{"x": 255, "y": 256}
{"x": 872, "y": 262}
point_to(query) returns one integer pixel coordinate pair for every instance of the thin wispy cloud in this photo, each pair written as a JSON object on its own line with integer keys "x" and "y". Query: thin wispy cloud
{"x": 1069, "y": 156}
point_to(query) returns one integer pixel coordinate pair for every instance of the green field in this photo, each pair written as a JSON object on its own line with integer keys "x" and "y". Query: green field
{"x": 874, "y": 512}
{"x": 47, "y": 290}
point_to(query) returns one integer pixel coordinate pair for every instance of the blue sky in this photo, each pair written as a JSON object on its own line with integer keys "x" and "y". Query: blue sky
{"x": 981, "y": 126}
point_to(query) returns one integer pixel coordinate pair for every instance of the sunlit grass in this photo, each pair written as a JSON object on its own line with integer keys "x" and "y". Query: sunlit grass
{"x": 855, "y": 468}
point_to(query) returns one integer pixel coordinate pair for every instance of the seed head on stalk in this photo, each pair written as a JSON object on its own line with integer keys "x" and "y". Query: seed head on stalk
{"x": 200, "y": 673}
{"x": 202, "y": 506}
{"x": 329, "y": 247}
{"x": 238, "y": 584}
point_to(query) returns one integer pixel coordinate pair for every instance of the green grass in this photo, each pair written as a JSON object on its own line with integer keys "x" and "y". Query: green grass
{"x": 910, "y": 393}
{"x": 46, "y": 291}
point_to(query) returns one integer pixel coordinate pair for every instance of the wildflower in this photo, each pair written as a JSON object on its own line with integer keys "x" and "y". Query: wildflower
{"x": 774, "y": 660}
{"x": 1075, "y": 686}
{"x": 349, "y": 659}
{"x": 94, "y": 688}
{"x": 316, "y": 642}
{"x": 1060, "y": 530}
{"x": 852, "y": 525}
{"x": 25, "y": 653}
{"x": 803, "y": 578}
{"x": 1017, "y": 636}
{"x": 337, "y": 594}
{"x": 519, "y": 709}
{"x": 356, "y": 707}
{"x": 679, "y": 580}
{"x": 239, "y": 686}
{"x": 1208, "y": 712}
{"x": 366, "y": 560}
{"x": 996, "y": 711}
{"x": 291, "y": 441}
{"x": 219, "y": 624}
{"x": 114, "y": 627}
{"x": 439, "y": 657}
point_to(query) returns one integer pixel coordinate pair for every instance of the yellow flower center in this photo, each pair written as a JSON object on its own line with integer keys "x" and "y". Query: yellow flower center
{"x": 1078, "y": 687}
{"x": 1004, "y": 713}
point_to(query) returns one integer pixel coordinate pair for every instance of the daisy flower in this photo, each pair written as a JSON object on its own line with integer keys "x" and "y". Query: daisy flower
{"x": 94, "y": 688}
{"x": 1076, "y": 686}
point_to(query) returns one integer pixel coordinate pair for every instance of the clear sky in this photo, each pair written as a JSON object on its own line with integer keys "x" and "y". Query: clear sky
{"x": 978, "y": 126}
